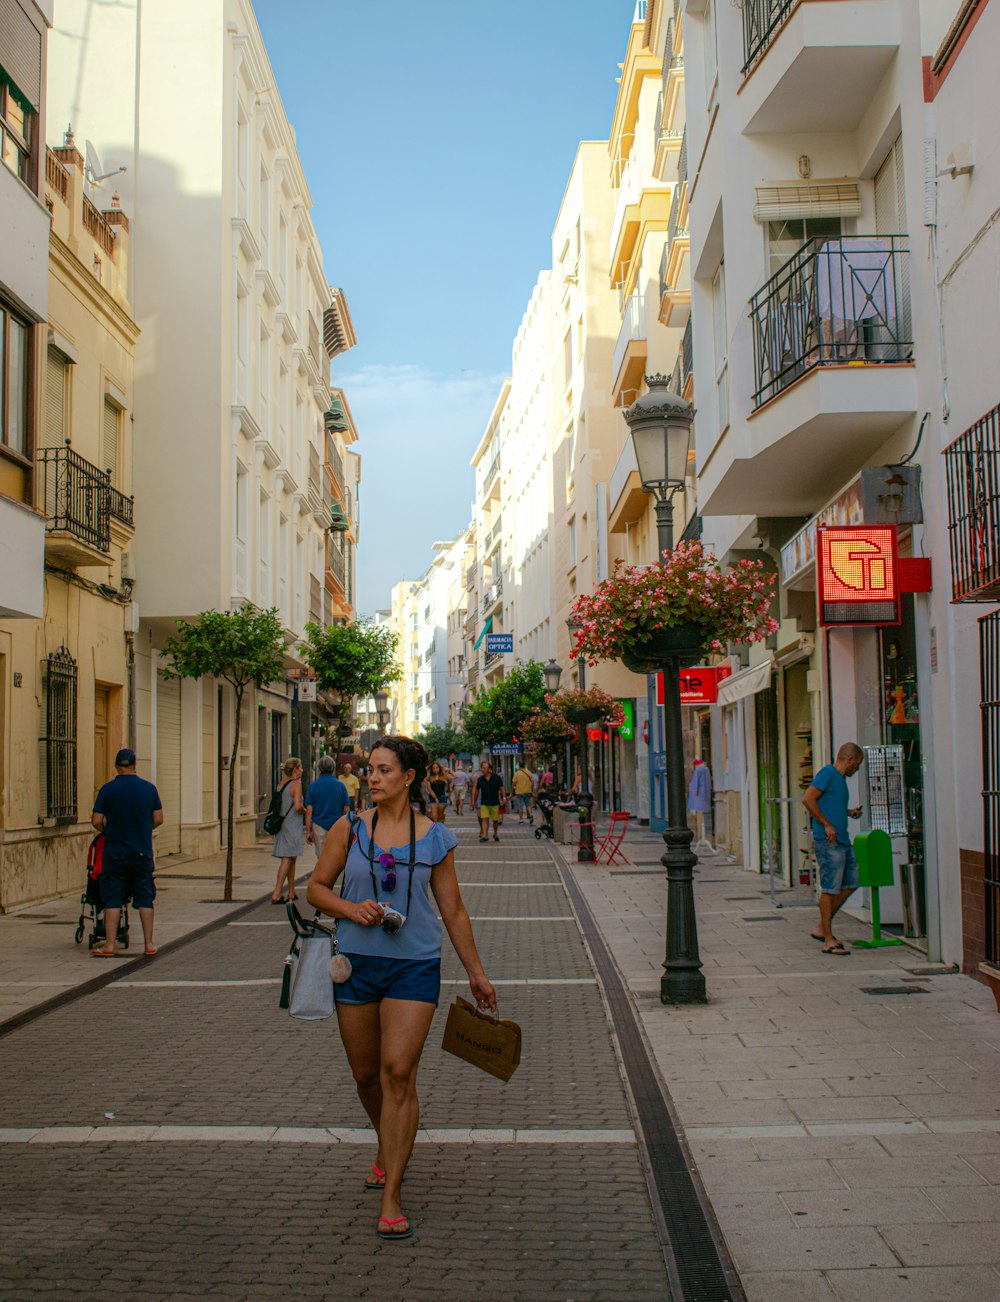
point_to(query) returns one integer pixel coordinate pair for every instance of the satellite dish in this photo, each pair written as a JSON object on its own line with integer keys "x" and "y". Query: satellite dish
{"x": 94, "y": 172}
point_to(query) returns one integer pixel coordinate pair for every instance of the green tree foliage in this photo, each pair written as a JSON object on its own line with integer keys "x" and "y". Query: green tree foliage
{"x": 496, "y": 713}
{"x": 241, "y": 647}
{"x": 447, "y": 740}
{"x": 353, "y": 659}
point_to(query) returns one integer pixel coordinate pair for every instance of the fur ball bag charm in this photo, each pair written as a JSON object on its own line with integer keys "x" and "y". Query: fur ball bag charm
{"x": 340, "y": 969}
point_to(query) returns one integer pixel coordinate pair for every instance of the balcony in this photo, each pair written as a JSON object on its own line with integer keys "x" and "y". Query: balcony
{"x": 76, "y": 498}
{"x": 492, "y": 594}
{"x": 972, "y": 463}
{"x": 335, "y": 567}
{"x": 673, "y": 74}
{"x": 491, "y": 478}
{"x": 812, "y": 66}
{"x": 470, "y": 577}
{"x": 492, "y": 540}
{"x": 675, "y": 270}
{"x": 687, "y": 362}
{"x": 832, "y": 374}
{"x": 627, "y": 500}
{"x": 628, "y": 361}
{"x": 492, "y": 660}
{"x": 842, "y": 302}
{"x": 666, "y": 146}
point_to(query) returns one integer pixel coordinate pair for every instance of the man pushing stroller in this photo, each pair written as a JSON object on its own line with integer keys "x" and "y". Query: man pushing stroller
{"x": 126, "y": 810}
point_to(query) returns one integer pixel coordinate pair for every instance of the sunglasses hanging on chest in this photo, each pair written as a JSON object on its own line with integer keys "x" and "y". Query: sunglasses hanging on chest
{"x": 392, "y": 919}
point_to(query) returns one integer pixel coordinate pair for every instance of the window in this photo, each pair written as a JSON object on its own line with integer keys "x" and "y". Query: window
{"x": 56, "y": 400}
{"x": 14, "y": 361}
{"x": 59, "y": 738}
{"x": 785, "y": 238}
{"x": 572, "y": 541}
{"x": 109, "y": 440}
{"x": 242, "y": 158}
{"x": 264, "y": 540}
{"x": 721, "y": 347}
{"x": 17, "y": 129}
{"x": 568, "y": 356}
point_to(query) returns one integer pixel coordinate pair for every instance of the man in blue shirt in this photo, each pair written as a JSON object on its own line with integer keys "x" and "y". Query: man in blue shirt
{"x": 326, "y": 801}
{"x": 827, "y": 802}
{"x": 126, "y": 810}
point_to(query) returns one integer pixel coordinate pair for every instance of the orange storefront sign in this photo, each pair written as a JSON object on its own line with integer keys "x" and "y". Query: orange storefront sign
{"x": 857, "y": 570}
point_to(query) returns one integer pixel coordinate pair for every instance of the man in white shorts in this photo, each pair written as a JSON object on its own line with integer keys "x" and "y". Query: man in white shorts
{"x": 459, "y": 787}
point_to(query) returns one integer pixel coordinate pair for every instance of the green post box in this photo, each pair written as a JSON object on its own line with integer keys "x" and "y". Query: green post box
{"x": 873, "y": 851}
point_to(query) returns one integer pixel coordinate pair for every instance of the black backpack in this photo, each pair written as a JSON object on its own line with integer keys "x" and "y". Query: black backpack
{"x": 274, "y": 818}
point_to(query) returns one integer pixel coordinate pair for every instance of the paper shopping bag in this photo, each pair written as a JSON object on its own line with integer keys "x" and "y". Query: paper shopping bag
{"x": 492, "y": 1046}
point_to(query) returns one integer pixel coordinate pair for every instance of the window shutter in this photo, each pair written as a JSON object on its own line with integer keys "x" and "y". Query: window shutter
{"x": 109, "y": 440}
{"x": 788, "y": 200}
{"x": 55, "y": 400}
{"x": 22, "y": 51}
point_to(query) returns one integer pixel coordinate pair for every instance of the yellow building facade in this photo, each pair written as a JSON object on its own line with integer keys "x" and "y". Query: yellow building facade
{"x": 71, "y": 702}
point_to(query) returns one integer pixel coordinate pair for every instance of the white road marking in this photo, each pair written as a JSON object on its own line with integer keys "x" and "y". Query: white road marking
{"x": 140, "y": 1134}
{"x": 276, "y": 981}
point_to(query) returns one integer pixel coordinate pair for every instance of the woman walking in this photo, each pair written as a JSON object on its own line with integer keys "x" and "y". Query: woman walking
{"x": 437, "y": 790}
{"x": 288, "y": 842}
{"x": 391, "y": 934}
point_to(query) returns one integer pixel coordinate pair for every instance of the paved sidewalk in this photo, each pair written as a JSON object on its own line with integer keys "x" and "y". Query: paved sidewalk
{"x": 39, "y": 960}
{"x": 844, "y": 1113}
{"x": 173, "y": 1135}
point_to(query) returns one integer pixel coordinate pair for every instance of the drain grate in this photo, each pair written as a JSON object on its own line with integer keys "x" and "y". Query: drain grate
{"x": 894, "y": 990}
{"x": 694, "y": 1248}
{"x": 741, "y": 899}
{"x": 767, "y": 917}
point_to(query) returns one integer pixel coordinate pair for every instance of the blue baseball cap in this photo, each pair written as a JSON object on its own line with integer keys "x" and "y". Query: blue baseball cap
{"x": 125, "y": 759}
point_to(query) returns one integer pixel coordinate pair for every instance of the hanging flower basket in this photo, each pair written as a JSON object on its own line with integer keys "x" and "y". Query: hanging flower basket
{"x": 587, "y": 705}
{"x": 684, "y": 605}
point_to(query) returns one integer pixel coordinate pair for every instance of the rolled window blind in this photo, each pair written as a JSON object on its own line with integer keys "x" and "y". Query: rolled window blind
{"x": 787, "y": 200}
{"x": 109, "y": 440}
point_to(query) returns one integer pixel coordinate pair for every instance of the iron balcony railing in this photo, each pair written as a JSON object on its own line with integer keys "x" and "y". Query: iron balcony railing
{"x": 762, "y": 20}
{"x": 337, "y": 566}
{"x": 972, "y": 464}
{"x": 494, "y": 466}
{"x": 682, "y": 159}
{"x": 121, "y": 507}
{"x": 493, "y": 593}
{"x": 664, "y": 259}
{"x": 336, "y": 463}
{"x": 491, "y": 658}
{"x": 76, "y": 496}
{"x": 838, "y": 301}
{"x": 674, "y": 227}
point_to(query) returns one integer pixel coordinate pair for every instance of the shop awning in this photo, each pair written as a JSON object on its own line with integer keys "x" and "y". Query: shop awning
{"x": 747, "y": 683}
{"x": 482, "y": 632}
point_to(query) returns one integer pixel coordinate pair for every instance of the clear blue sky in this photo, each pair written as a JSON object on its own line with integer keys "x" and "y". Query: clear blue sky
{"x": 436, "y": 139}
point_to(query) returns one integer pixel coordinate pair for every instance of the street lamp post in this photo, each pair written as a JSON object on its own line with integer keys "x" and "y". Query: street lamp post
{"x": 382, "y": 707}
{"x": 552, "y": 673}
{"x": 585, "y": 801}
{"x": 660, "y": 425}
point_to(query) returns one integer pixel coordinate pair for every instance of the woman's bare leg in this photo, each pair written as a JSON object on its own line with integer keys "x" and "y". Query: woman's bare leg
{"x": 404, "y": 1026}
{"x": 360, "y": 1032}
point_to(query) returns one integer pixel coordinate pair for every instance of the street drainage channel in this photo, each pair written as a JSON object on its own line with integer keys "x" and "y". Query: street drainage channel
{"x": 692, "y": 1245}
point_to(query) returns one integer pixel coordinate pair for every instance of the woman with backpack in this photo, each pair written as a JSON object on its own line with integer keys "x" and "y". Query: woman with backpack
{"x": 289, "y": 837}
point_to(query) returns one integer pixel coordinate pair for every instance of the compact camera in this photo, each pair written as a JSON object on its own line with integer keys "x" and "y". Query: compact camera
{"x": 392, "y": 921}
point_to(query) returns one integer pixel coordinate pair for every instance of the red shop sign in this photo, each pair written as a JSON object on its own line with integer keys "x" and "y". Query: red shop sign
{"x": 699, "y": 684}
{"x": 857, "y": 569}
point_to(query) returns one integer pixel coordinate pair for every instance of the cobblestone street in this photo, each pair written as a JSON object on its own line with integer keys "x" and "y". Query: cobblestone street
{"x": 181, "y": 1136}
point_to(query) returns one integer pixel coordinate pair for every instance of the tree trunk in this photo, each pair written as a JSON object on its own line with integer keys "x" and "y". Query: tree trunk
{"x": 231, "y": 816}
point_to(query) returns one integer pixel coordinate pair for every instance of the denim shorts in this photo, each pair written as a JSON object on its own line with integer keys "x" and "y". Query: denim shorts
{"x": 374, "y": 978}
{"x": 128, "y": 878}
{"x": 521, "y": 802}
{"x": 838, "y": 868}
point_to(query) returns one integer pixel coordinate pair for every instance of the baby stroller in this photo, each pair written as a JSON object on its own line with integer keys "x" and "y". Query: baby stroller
{"x": 546, "y": 803}
{"x": 93, "y": 902}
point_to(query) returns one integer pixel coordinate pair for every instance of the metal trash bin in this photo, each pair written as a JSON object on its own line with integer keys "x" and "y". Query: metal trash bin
{"x": 912, "y": 888}
{"x": 559, "y": 818}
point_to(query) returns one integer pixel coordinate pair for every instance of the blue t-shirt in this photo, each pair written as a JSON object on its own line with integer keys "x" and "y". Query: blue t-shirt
{"x": 128, "y": 803}
{"x": 832, "y": 800}
{"x": 328, "y": 798}
{"x": 420, "y": 935}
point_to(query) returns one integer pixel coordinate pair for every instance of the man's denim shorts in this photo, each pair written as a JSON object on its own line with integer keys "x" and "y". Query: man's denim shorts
{"x": 521, "y": 802}
{"x": 127, "y": 879}
{"x": 374, "y": 978}
{"x": 838, "y": 868}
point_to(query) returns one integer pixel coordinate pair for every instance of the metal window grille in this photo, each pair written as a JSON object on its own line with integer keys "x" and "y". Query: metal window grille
{"x": 989, "y": 670}
{"x": 973, "y": 467}
{"x": 58, "y": 742}
{"x": 886, "y": 806}
{"x": 761, "y": 21}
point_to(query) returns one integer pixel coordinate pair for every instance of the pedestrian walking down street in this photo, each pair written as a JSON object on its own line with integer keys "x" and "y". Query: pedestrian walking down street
{"x": 436, "y": 791}
{"x": 288, "y": 842}
{"x": 326, "y": 801}
{"x": 389, "y": 930}
{"x": 126, "y": 810}
{"x": 521, "y": 785}
{"x": 826, "y": 800}
{"x": 363, "y": 800}
{"x": 350, "y": 781}
{"x": 489, "y": 795}
{"x": 459, "y": 787}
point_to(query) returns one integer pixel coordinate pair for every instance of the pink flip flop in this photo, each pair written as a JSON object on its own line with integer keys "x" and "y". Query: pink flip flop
{"x": 376, "y": 1184}
{"x": 394, "y": 1234}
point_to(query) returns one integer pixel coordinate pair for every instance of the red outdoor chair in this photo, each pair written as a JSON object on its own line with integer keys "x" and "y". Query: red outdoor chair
{"x": 608, "y": 847}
